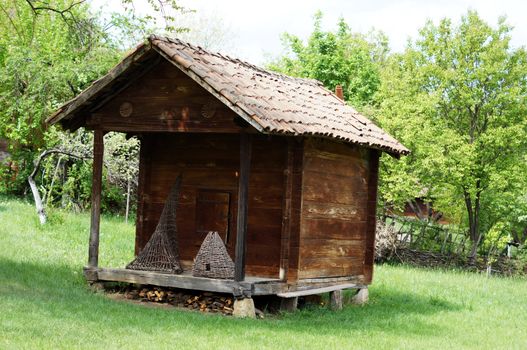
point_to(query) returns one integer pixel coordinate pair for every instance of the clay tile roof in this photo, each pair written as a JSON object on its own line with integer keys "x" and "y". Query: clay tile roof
{"x": 272, "y": 103}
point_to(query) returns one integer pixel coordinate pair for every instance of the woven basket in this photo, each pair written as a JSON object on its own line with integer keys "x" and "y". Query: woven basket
{"x": 161, "y": 253}
{"x": 213, "y": 260}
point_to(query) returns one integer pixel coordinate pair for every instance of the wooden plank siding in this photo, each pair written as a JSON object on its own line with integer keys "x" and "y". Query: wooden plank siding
{"x": 334, "y": 210}
{"x": 165, "y": 100}
{"x": 369, "y": 241}
{"x": 211, "y": 162}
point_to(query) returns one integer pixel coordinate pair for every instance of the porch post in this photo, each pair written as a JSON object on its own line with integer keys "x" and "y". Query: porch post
{"x": 98, "y": 151}
{"x": 241, "y": 221}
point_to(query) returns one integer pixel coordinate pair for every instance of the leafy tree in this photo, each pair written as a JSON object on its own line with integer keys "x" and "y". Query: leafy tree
{"x": 457, "y": 98}
{"x": 43, "y": 63}
{"x": 336, "y": 58}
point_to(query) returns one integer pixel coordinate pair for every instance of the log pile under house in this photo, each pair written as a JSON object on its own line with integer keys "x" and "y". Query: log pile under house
{"x": 280, "y": 167}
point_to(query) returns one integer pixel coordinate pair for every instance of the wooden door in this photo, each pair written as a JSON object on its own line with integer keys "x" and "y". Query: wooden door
{"x": 213, "y": 212}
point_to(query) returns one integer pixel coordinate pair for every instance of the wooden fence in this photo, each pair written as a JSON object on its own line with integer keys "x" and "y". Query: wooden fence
{"x": 427, "y": 236}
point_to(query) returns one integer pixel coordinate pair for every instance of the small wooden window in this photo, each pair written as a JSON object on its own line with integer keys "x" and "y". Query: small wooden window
{"x": 213, "y": 212}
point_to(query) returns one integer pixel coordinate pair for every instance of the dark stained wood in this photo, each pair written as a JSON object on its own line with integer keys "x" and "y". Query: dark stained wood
{"x": 333, "y": 229}
{"x": 369, "y": 240}
{"x": 243, "y": 193}
{"x": 165, "y": 100}
{"x": 213, "y": 212}
{"x": 323, "y": 248}
{"x": 286, "y": 213}
{"x": 334, "y": 210}
{"x": 331, "y": 266}
{"x": 98, "y": 152}
{"x": 210, "y": 162}
{"x": 104, "y": 85}
{"x": 296, "y": 210}
{"x": 317, "y": 210}
{"x": 288, "y": 304}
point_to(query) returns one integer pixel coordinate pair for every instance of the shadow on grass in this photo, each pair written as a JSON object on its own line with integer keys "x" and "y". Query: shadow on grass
{"x": 60, "y": 293}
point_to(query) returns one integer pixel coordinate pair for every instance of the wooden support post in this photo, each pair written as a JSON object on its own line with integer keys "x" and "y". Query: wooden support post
{"x": 144, "y": 174}
{"x": 286, "y": 212}
{"x": 98, "y": 151}
{"x": 335, "y": 299}
{"x": 288, "y": 304}
{"x": 371, "y": 215}
{"x": 241, "y": 222}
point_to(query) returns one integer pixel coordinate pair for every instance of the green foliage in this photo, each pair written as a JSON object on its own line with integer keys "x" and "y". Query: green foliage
{"x": 43, "y": 63}
{"x": 456, "y": 99}
{"x": 49, "y": 52}
{"x": 336, "y": 58}
{"x": 496, "y": 238}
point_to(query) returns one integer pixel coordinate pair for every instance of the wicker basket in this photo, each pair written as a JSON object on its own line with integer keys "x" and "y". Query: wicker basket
{"x": 161, "y": 253}
{"x": 213, "y": 260}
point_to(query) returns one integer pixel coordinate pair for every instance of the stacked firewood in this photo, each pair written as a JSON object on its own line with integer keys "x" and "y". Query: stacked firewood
{"x": 208, "y": 302}
{"x": 204, "y": 301}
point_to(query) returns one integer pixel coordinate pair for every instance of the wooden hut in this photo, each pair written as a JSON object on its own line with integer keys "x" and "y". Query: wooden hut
{"x": 280, "y": 167}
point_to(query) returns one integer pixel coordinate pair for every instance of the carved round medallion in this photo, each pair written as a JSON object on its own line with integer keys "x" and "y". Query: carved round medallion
{"x": 208, "y": 110}
{"x": 126, "y": 109}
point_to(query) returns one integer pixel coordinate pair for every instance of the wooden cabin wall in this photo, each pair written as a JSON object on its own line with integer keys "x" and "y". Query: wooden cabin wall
{"x": 334, "y": 217}
{"x": 211, "y": 162}
{"x": 164, "y": 99}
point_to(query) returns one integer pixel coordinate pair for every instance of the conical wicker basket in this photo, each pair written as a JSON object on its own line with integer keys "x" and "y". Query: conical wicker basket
{"x": 161, "y": 253}
{"x": 213, "y": 260}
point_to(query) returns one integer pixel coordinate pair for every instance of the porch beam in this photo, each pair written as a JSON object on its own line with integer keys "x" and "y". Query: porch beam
{"x": 241, "y": 220}
{"x": 98, "y": 151}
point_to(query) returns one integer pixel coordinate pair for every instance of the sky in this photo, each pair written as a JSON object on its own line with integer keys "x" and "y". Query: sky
{"x": 254, "y": 27}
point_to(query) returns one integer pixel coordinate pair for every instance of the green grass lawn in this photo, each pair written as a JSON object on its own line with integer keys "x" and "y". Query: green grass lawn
{"x": 45, "y": 303}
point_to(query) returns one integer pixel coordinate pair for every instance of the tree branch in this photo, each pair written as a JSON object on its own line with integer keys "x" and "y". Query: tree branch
{"x": 31, "y": 179}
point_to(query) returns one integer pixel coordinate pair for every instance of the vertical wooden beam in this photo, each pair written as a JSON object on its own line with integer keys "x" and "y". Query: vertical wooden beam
{"x": 373, "y": 176}
{"x": 335, "y": 300}
{"x": 144, "y": 167}
{"x": 286, "y": 210}
{"x": 241, "y": 220}
{"x": 295, "y": 220}
{"x": 98, "y": 152}
{"x": 288, "y": 304}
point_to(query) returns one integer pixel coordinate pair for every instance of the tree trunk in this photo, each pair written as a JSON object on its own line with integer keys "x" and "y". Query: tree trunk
{"x": 31, "y": 180}
{"x": 473, "y": 220}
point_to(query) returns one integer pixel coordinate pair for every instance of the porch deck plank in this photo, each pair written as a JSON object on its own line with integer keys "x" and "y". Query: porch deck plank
{"x": 183, "y": 281}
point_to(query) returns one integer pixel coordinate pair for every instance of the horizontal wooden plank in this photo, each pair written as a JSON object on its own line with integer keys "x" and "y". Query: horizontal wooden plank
{"x": 347, "y": 167}
{"x": 321, "y": 248}
{"x": 171, "y": 280}
{"x": 262, "y": 271}
{"x": 324, "y": 210}
{"x": 330, "y": 267}
{"x": 332, "y": 229}
{"x": 333, "y": 148}
{"x": 329, "y": 188}
{"x": 320, "y": 290}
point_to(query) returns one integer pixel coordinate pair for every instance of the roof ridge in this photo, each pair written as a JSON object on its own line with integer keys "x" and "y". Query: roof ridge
{"x": 247, "y": 64}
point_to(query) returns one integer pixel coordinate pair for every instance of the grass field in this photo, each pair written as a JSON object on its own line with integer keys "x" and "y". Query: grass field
{"x": 45, "y": 304}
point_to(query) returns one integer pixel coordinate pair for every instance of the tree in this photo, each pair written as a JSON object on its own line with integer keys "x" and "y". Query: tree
{"x": 457, "y": 98}
{"x": 42, "y": 64}
{"x": 336, "y": 58}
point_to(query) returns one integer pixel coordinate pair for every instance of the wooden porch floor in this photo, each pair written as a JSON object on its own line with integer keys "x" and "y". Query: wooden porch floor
{"x": 252, "y": 285}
